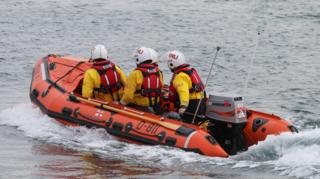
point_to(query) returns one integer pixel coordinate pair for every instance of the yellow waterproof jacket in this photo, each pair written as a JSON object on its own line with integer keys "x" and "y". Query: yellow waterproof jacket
{"x": 92, "y": 80}
{"x": 134, "y": 82}
{"x": 182, "y": 84}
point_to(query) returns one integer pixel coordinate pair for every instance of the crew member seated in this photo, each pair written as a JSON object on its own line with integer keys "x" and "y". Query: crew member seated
{"x": 186, "y": 88}
{"x": 145, "y": 82}
{"x": 104, "y": 80}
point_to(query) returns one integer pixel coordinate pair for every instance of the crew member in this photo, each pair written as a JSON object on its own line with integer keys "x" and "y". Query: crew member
{"x": 145, "y": 82}
{"x": 186, "y": 87}
{"x": 104, "y": 80}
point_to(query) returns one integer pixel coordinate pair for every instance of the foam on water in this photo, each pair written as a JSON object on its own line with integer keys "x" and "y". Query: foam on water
{"x": 36, "y": 125}
{"x": 288, "y": 154}
{"x": 292, "y": 154}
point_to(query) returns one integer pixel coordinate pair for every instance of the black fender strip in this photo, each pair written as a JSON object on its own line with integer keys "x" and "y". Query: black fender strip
{"x": 184, "y": 131}
{"x": 89, "y": 124}
{"x": 109, "y": 129}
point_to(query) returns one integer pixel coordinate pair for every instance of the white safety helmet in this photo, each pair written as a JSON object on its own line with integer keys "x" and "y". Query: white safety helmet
{"x": 142, "y": 54}
{"x": 174, "y": 59}
{"x": 154, "y": 55}
{"x": 99, "y": 52}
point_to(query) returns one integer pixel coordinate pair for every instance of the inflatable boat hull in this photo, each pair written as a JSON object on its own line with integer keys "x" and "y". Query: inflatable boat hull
{"x": 55, "y": 88}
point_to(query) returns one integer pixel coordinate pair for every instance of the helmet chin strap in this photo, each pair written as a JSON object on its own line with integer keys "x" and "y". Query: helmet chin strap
{"x": 145, "y": 62}
{"x": 180, "y": 66}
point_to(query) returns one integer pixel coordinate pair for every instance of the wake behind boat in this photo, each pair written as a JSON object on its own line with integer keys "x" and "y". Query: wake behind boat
{"x": 56, "y": 89}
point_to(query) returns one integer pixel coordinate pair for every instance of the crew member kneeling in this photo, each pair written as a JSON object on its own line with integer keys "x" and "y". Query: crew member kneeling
{"x": 186, "y": 87}
{"x": 145, "y": 82}
{"x": 104, "y": 80}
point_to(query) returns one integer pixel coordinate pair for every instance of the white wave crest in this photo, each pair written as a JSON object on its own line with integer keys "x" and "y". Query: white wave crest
{"x": 294, "y": 155}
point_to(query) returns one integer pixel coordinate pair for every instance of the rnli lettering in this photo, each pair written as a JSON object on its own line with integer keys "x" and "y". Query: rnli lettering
{"x": 173, "y": 56}
{"x": 147, "y": 127}
{"x": 140, "y": 51}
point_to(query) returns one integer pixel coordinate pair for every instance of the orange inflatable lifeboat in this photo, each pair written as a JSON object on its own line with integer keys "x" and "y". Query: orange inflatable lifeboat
{"x": 56, "y": 88}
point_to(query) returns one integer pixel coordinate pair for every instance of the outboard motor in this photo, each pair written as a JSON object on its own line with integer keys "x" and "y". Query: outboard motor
{"x": 228, "y": 118}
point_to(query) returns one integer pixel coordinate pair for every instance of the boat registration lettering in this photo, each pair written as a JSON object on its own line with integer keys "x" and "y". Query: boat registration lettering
{"x": 147, "y": 127}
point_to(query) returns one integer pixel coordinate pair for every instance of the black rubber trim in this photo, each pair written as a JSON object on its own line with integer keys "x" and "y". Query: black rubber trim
{"x": 45, "y": 92}
{"x": 293, "y": 129}
{"x": 66, "y": 111}
{"x": 52, "y": 66}
{"x": 184, "y": 131}
{"x": 35, "y": 92}
{"x": 212, "y": 140}
{"x": 128, "y": 127}
{"x": 117, "y": 126}
{"x": 257, "y": 123}
{"x": 161, "y": 135}
{"x": 109, "y": 122}
{"x": 171, "y": 141}
{"x": 73, "y": 98}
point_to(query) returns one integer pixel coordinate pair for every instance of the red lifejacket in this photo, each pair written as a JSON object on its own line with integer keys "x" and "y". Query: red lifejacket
{"x": 151, "y": 85}
{"x": 110, "y": 78}
{"x": 197, "y": 85}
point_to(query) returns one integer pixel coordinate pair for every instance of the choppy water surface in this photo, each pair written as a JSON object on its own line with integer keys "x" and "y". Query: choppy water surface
{"x": 284, "y": 79}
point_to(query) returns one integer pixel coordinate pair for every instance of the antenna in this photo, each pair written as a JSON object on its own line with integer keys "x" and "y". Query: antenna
{"x": 253, "y": 56}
